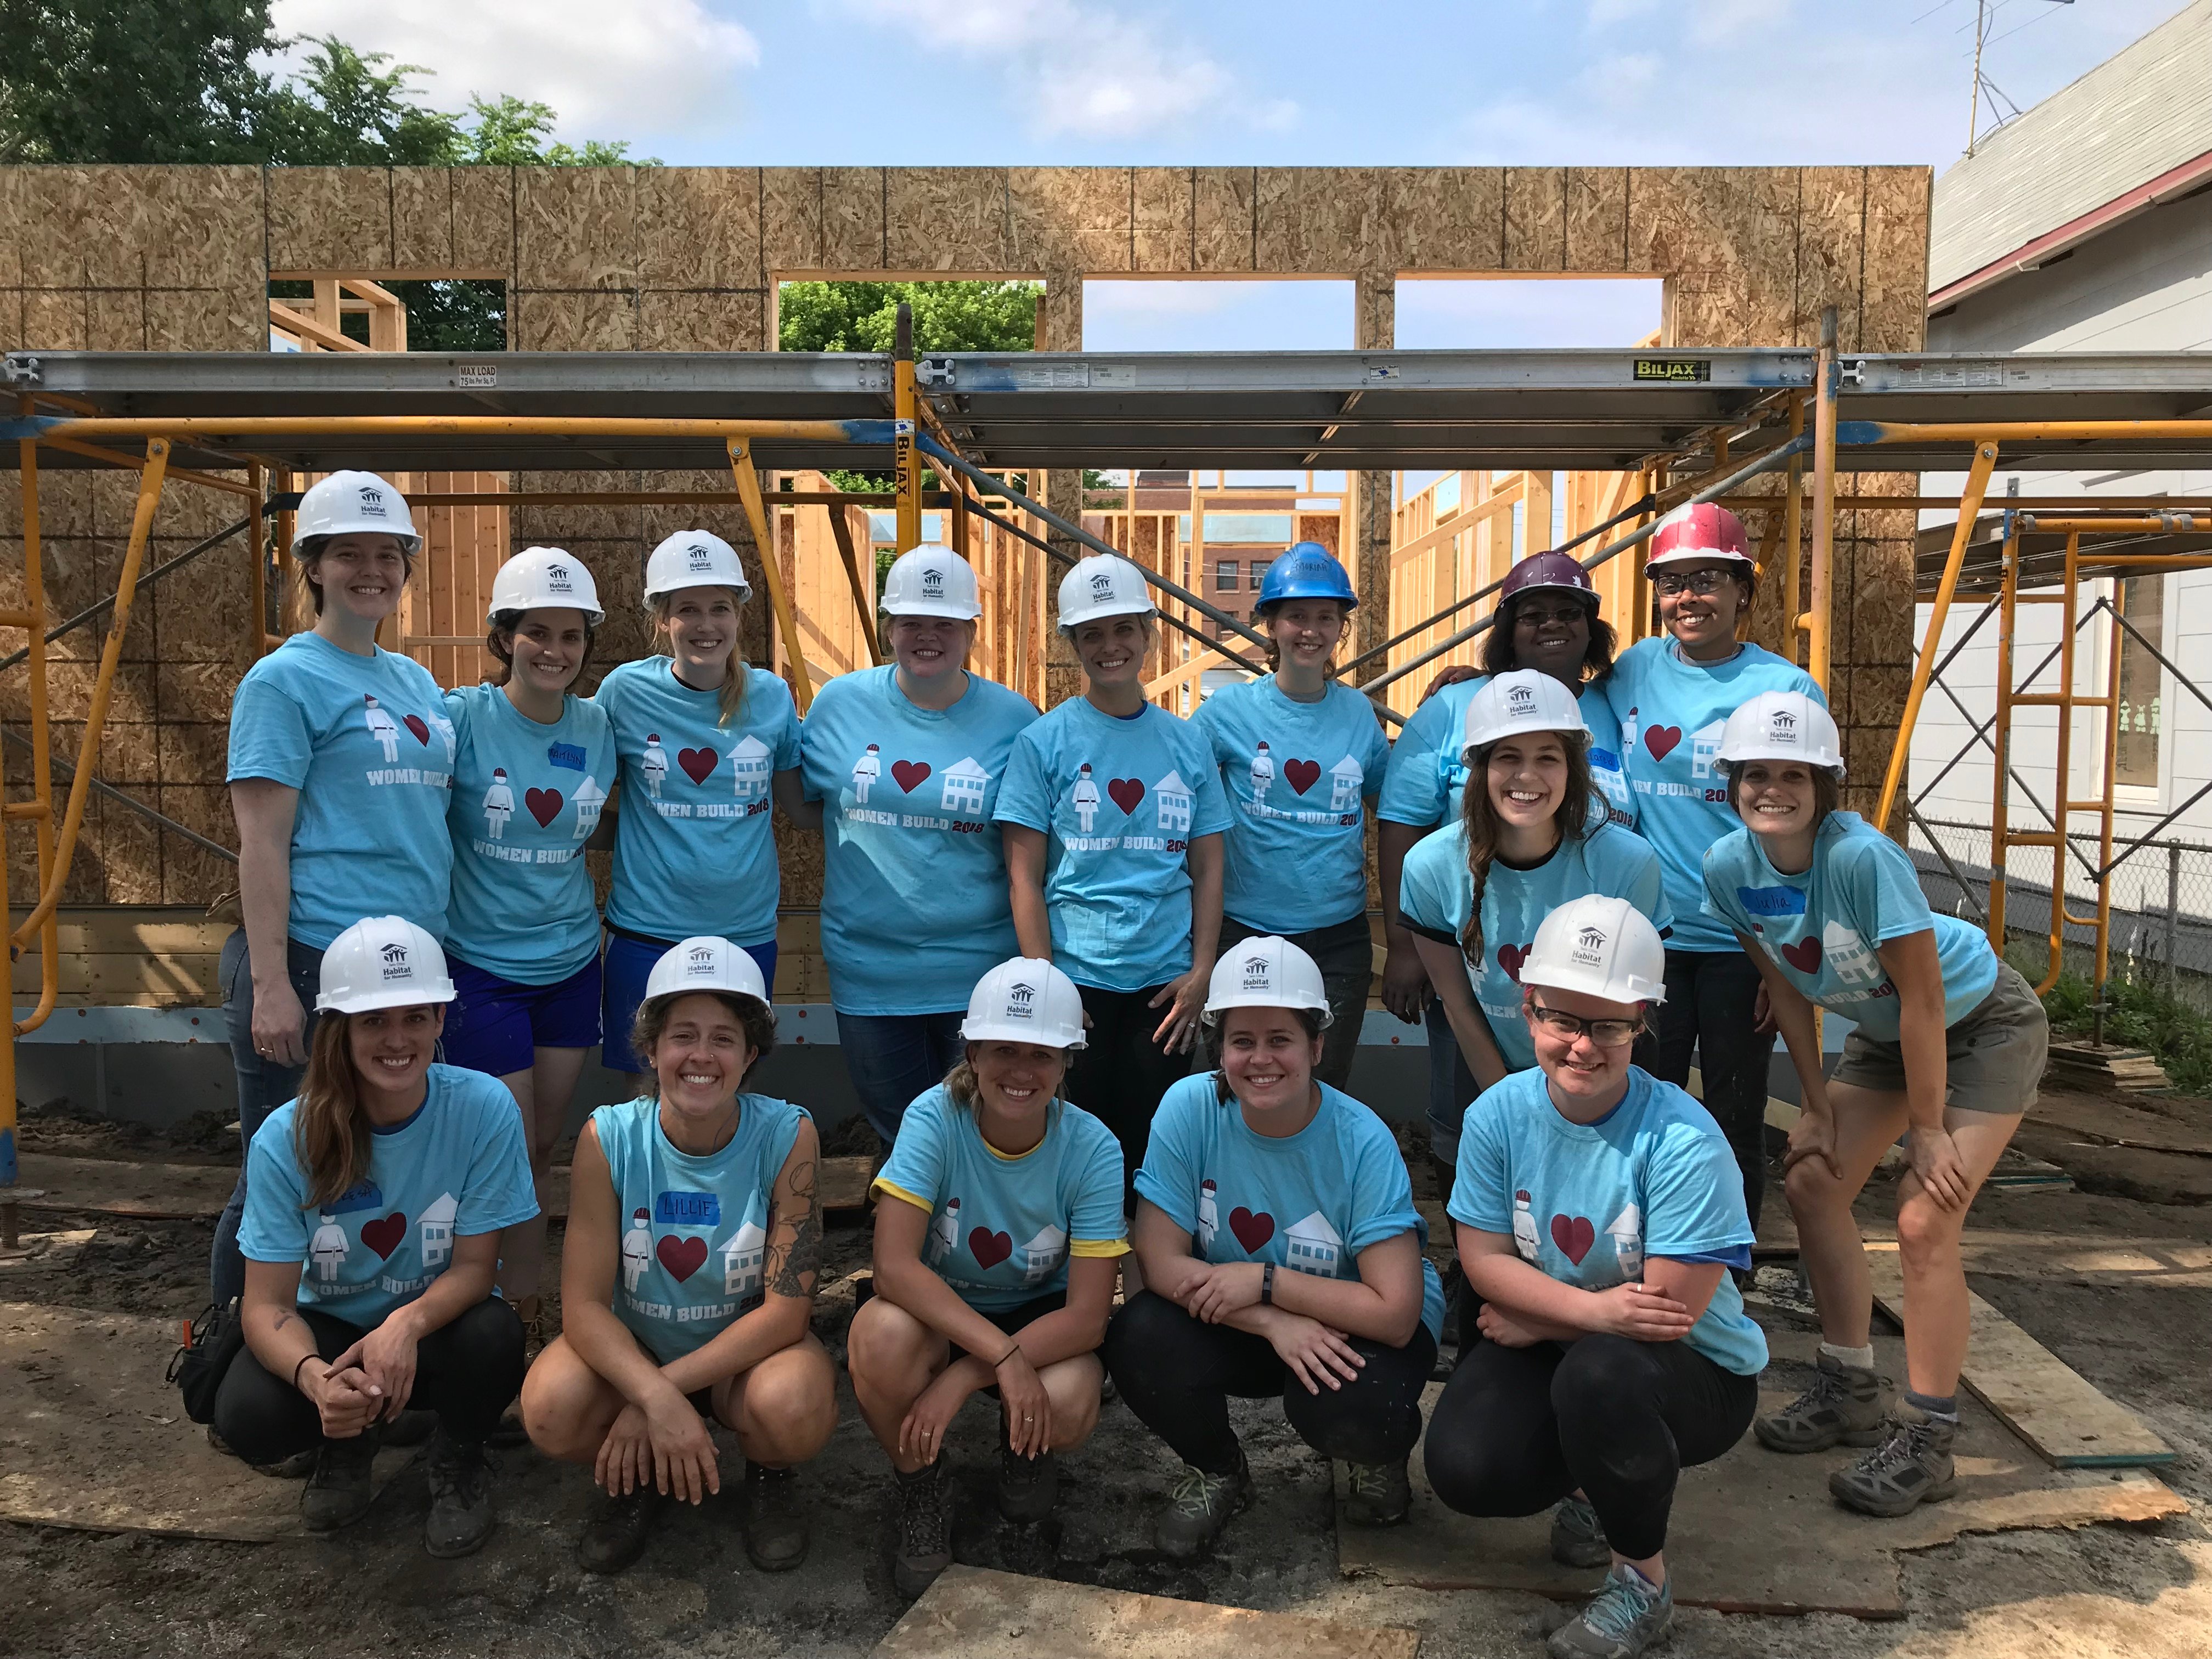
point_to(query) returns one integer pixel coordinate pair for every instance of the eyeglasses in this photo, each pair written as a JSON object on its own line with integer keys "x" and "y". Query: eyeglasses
{"x": 1701, "y": 583}
{"x": 1529, "y": 616}
{"x": 1605, "y": 1033}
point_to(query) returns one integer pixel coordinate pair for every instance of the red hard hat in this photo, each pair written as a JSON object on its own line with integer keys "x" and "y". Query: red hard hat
{"x": 1705, "y": 530}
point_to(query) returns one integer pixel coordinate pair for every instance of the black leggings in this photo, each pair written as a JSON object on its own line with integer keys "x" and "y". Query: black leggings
{"x": 1518, "y": 1429}
{"x": 467, "y": 1371}
{"x": 1120, "y": 1073}
{"x": 1177, "y": 1373}
{"x": 1709, "y": 997}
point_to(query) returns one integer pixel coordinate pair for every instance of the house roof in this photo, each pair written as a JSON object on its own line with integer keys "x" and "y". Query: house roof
{"x": 2135, "y": 131}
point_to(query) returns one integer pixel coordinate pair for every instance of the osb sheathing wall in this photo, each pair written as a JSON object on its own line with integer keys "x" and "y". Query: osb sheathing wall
{"x": 687, "y": 258}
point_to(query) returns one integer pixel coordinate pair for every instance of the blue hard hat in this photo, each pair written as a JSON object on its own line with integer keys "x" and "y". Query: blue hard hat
{"x": 1307, "y": 571}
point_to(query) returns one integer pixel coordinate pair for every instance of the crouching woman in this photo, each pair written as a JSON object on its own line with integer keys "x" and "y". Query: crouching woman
{"x": 700, "y": 1198}
{"x": 374, "y": 1204}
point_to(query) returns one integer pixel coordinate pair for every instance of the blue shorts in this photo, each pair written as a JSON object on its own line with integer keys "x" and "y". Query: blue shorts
{"x": 495, "y": 1025}
{"x": 629, "y": 964}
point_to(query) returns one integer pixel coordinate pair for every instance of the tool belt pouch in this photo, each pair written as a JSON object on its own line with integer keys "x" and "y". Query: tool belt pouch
{"x": 212, "y": 1342}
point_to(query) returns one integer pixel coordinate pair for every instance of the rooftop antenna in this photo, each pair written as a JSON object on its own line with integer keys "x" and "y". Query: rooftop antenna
{"x": 1983, "y": 11}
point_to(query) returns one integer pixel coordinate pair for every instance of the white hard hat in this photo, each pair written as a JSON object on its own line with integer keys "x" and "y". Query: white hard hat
{"x": 1602, "y": 947}
{"x": 1103, "y": 586}
{"x": 544, "y": 578}
{"x": 1782, "y": 726}
{"x": 695, "y": 558}
{"x": 1025, "y": 1000}
{"x": 931, "y": 581}
{"x": 352, "y": 504}
{"x": 1265, "y": 972}
{"x": 705, "y": 961}
{"x": 1521, "y": 701}
{"x": 382, "y": 961}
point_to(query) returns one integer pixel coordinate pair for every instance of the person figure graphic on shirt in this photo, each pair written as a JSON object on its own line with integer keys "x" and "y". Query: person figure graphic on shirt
{"x": 384, "y": 729}
{"x": 945, "y": 1232}
{"x": 327, "y": 1250}
{"x": 1524, "y": 1227}
{"x": 498, "y": 805}
{"x": 636, "y": 1251}
{"x": 1209, "y": 1213}
{"x": 1086, "y": 799}
{"x": 654, "y": 764}
{"x": 865, "y": 771}
{"x": 1263, "y": 774}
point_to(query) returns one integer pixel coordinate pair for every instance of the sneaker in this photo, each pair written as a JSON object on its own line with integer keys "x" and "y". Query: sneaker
{"x": 615, "y": 1536}
{"x": 1029, "y": 1487}
{"x": 1577, "y": 1536}
{"x": 338, "y": 1492}
{"x": 1841, "y": 1408}
{"x": 1378, "y": 1494}
{"x": 1621, "y": 1620}
{"x": 925, "y": 1541}
{"x": 461, "y": 1515}
{"x": 1200, "y": 1506}
{"x": 1911, "y": 1466}
{"x": 776, "y": 1530}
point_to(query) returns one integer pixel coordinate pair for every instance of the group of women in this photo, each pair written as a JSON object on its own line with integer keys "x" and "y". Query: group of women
{"x": 1032, "y": 923}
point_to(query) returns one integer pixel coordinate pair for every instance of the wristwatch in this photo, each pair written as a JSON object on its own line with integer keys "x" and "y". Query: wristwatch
{"x": 1267, "y": 1285}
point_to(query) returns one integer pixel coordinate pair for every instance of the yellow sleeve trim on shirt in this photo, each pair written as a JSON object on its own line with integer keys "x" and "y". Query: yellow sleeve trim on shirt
{"x": 897, "y": 1191}
{"x": 1105, "y": 1247}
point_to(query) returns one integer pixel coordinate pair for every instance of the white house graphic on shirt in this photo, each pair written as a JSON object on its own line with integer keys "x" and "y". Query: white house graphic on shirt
{"x": 1626, "y": 1231}
{"x": 436, "y": 1223}
{"x": 327, "y": 1250}
{"x": 1705, "y": 748}
{"x": 865, "y": 771}
{"x": 384, "y": 729}
{"x": 1846, "y": 952}
{"x": 750, "y": 762}
{"x": 589, "y": 798}
{"x": 1312, "y": 1246}
{"x": 741, "y": 1255}
{"x": 1263, "y": 773}
{"x": 945, "y": 1231}
{"x": 1174, "y": 796}
{"x": 1346, "y": 778}
{"x": 1043, "y": 1253}
{"x": 637, "y": 1249}
{"x": 1209, "y": 1217}
{"x": 498, "y": 805}
{"x": 654, "y": 764}
{"x": 964, "y": 783}
{"x": 1084, "y": 798}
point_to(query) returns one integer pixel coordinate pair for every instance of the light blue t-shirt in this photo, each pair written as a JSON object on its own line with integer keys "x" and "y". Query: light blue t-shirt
{"x": 1822, "y": 928}
{"x": 1587, "y": 1203}
{"x": 1310, "y": 1202}
{"x": 1671, "y": 713}
{"x": 1435, "y": 893}
{"x": 694, "y": 847}
{"x": 1001, "y": 1228}
{"x": 1122, "y": 800}
{"x": 1295, "y": 775}
{"x": 1427, "y": 775}
{"x": 915, "y": 905}
{"x": 457, "y": 1169}
{"x": 366, "y": 741}
{"x": 524, "y": 799}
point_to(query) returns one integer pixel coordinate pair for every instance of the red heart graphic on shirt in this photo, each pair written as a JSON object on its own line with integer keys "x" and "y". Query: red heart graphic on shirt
{"x": 1510, "y": 957}
{"x": 418, "y": 725}
{"x": 989, "y": 1248}
{"x": 1660, "y": 740}
{"x": 1804, "y": 956}
{"x": 1126, "y": 793}
{"x": 1301, "y": 775}
{"x": 1574, "y": 1235}
{"x": 383, "y": 1236}
{"x": 1252, "y": 1231}
{"x": 909, "y": 773}
{"x": 682, "y": 1256}
{"x": 698, "y": 764}
{"x": 545, "y": 804}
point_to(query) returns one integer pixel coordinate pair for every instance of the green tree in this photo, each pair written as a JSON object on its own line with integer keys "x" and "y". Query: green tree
{"x": 132, "y": 79}
{"x": 347, "y": 109}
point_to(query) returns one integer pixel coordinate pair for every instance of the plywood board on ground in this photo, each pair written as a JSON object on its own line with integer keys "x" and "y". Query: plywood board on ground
{"x": 150, "y": 1192}
{"x": 1755, "y": 1532}
{"x": 2120, "y": 1125}
{"x": 972, "y": 1614}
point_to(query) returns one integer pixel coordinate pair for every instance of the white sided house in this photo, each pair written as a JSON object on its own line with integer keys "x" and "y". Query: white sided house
{"x": 964, "y": 783}
{"x": 1312, "y": 1246}
{"x": 436, "y": 1225}
{"x": 1175, "y": 802}
{"x": 741, "y": 1254}
{"x": 752, "y": 768}
{"x": 1346, "y": 778}
{"x": 1044, "y": 1253}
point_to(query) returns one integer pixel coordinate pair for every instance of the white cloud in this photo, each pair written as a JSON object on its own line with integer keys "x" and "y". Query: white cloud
{"x": 1605, "y": 13}
{"x": 1713, "y": 22}
{"x": 611, "y": 68}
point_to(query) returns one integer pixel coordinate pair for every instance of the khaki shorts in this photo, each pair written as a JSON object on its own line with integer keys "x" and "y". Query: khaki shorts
{"x": 1995, "y": 1055}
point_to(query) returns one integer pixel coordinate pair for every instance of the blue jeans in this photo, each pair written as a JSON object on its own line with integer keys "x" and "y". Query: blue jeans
{"x": 262, "y": 1085}
{"x": 894, "y": 1058}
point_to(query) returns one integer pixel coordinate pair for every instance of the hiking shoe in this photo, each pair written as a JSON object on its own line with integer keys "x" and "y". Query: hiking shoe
{"x": 1620, "y": 1621}
{"x": 1378, "y": 1494}
{"x": 411, "y": 1428}
{"x": 615, "y": 1536}
{"x": 1841, "y": 1408}
{"x": 1029, "y": 1487}
{"x": 1911, "y": 1465}
{"x": 1200, "y": 1506}
{"x": 338, "y": 1492}
{"x": 461, "y": 1517}
{"x": 1577, "y": 1536}
{"x": 776, "y": 1530}
{"x": 924, "y": 1540}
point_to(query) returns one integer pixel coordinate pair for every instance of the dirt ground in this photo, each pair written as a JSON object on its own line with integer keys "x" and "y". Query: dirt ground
{"x": 2104, "y": 1590}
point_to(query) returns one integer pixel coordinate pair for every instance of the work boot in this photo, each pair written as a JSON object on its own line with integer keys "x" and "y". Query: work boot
{"x": 1200, "y": 1506}
{"x": 1577, "y": 1536}
{"x": 1029, "y": 1487}
{"x": 1911, "y": 1465}
{"x": 339, "y": 1491}
{"x": 461, "y": 1515}
{"x": 925, "y": 1541}
{"x": 1621, "y": 1620}
{"x": 1841, "y": 1408}
{"x": 615, "y": 1536}
{"x": 776, "y": 1531}
{"x": 1378, "y": 1494}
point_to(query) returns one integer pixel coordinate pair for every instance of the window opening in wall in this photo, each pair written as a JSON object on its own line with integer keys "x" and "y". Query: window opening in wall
{"x": 2142, "y": 709}
{"x": 358, "y": 313}
{"x": 1232, "y": 314}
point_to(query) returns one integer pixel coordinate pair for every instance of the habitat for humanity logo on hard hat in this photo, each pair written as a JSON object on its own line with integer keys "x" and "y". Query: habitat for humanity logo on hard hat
{"x": 1783, "y": 726}
{"x": 702, "y": 555}
{"x": 1589, "y": 947}
{"x": 1520, "y": 700}
{"x": 1018, "y": 1001}
{"x": 700, "y": 963}
{"x": 557, "y": 579}
{"x": 395, "y": 962}
{"x": 932, "y": 582}
{"x": 372, "y": 500}
{"x": 1258, "y": 971}
{"x": 1102, "y": 585}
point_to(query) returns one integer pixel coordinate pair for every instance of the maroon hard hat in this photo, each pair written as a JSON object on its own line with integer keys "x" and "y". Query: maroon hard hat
{"x": 1705, "y": 530}
{"x": 1562, "y": 571}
